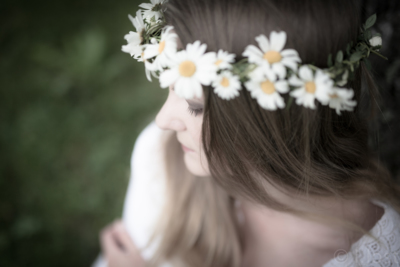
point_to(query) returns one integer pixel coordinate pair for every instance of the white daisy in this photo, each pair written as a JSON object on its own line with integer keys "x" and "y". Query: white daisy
{"x": 340, "y": 99}
{"x": 224, "y": 60}
{"x": 271, "y": 57}
{"x": 152, "y": 10}
{"x": 267, "y": 92}
{"x": 164, "y": 50}
{"x": 134, "y": 39}
{"x": 311, "y": 87}
{"x": 190, "y": 69}
{"x": 227, "y": 85}
{"x": 150, "y": 68}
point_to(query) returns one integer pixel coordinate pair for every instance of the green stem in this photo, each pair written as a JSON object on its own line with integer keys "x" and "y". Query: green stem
{"x": 241, "y": 61}
{"x": 378, "y": 54}
{"x": 248, "y": 70}
{"x": 313, "y": 67}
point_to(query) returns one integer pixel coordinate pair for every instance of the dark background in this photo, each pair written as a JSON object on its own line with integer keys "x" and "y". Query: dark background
{"x": 71, "y": 106}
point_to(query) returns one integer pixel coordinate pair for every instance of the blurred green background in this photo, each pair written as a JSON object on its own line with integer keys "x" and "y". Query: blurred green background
{"x": 71, "y": 107}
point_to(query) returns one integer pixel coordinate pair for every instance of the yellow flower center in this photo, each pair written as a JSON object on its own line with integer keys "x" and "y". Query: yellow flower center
{"x": 143, "y": 57}
{"x": 272, "y": 56}
{"x": 267, "y": 87}
{"x": 225, "y": 82}
{"x": 310, "y": 87}
{"x": 161, "y": 47}
{"x": 187, "y": 68}
{"x": 219, "y": 61}
{"x": 333, "y": 96}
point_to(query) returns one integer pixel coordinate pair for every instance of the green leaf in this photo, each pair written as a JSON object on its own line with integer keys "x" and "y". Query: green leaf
{"x": 330, "y": 60}
{"x": 370, "y": 21}
{"x": 356, "y": 56}
{"x": 339, "y": 57}
{"x": 348, "y": 49}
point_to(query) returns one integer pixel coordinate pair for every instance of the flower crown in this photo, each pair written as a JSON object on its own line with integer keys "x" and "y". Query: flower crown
{"x": 267, "y": 71}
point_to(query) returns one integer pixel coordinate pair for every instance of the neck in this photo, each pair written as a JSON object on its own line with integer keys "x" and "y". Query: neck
{"x": 270, "y": 234}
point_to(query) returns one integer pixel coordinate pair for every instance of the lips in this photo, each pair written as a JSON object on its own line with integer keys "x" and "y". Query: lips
{"x": 186, "y": 149}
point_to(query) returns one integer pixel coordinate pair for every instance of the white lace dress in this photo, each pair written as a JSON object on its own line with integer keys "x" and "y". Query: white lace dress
{"x": 145, "y": 198}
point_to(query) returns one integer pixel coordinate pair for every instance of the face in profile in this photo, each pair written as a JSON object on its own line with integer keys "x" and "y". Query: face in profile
{"x": 185, "y": 117}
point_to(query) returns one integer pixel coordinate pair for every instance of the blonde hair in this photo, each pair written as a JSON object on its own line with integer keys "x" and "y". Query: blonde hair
{"x": 198, "y": 224}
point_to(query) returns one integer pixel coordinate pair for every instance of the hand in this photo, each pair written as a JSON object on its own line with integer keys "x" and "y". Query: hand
{"x": 118, "y": 248}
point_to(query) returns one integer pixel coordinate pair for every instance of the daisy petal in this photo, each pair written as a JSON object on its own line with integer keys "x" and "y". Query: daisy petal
{"x": 184, "y": 88}
{"x": 150, "y": 66}
{"x": 289, "y": 53}
{"x": 278, "y": 40}
{"x": 263, "y": 42}
{"x": 282, "y": 86}
{"x": 151, "y": 51}
{"x": 279, "y": 69}
{"x": 305, "y": 73}
{"x": 146, "y": 6}
{"x": 205, "y": 77}
{"x": 197, "y": 89}
{"x": 271, "y": 75}
{"x": 288, "y": 62}
{"x": 294, "y": 81}
{"x": 279, "y": 102}
{"x": 253, "y": 53}
{"x": 309, "y": 101}
{"x": 298, "y": 92}
{"x": 168, "y": 77}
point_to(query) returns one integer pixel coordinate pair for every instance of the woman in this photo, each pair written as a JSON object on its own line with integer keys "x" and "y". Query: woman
{"x": 244, "y": 179}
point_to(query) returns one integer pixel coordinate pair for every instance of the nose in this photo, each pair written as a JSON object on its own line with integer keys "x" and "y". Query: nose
{"x": 170, "y": 115}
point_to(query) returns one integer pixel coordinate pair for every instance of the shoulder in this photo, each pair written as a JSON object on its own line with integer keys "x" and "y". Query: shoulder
{"x": 383, "y": 250}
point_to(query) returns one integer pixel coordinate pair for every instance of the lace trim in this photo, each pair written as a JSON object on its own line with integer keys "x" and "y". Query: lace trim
{"x": 368, "y": 252}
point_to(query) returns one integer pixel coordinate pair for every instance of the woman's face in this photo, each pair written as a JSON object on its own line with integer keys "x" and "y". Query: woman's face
{"x": 185, "y": 117}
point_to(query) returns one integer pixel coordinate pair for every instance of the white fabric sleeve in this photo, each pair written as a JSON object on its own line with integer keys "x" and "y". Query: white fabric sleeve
{"x": 146, "y": 191}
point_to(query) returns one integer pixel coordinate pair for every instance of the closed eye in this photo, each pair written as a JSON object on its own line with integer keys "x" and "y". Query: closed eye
{"x": 195, "y": 112}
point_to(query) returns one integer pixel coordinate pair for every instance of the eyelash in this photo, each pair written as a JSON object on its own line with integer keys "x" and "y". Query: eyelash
{"x": 195, "y": 112}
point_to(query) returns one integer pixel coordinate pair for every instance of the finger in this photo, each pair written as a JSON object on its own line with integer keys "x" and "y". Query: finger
{"x": 107, "y": 230}
{"x": 122, "y": 236}
{"x": 109, "y": 244}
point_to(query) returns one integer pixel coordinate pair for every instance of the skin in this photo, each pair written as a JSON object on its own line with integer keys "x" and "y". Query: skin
{"x": 118, "y": 248}
{"x": 271, "y": 238}
{"x": 174, "y": 115}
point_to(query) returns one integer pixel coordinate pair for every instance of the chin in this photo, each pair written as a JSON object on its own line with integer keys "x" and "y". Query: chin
{"x": 195, "y": 166}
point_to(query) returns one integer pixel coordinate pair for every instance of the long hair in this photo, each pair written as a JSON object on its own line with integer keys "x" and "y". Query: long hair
{"x": 311, "y": 152}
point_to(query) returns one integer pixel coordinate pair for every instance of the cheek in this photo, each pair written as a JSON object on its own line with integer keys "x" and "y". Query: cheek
{"x": 197, "y": 162}
{"x": 197, "y": 137}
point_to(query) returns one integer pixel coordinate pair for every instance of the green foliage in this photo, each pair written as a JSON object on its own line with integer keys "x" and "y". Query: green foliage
{"x": 370, "y": 22}
{"x": 71, "y": 107}
{"x": 339, "y": 57}
{"x": 350, "y": 60}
